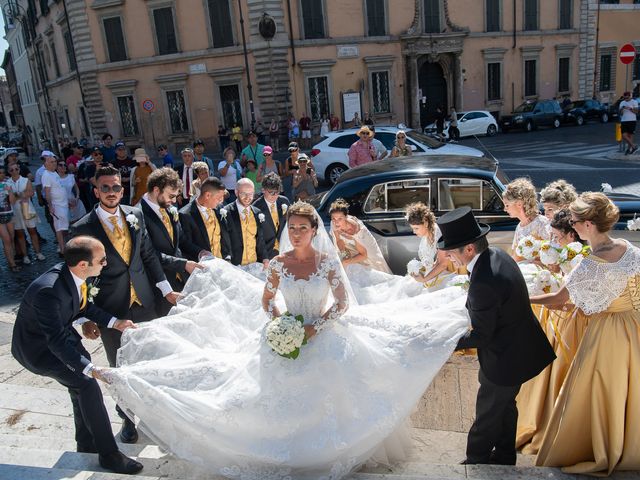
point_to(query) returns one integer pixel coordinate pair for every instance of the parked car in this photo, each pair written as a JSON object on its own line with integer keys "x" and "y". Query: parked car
{"x": 580, "y": 111}
{"x": 533, "y": 114}
{"x": 330, "y": 157}
{"x": 378, "y": 193}
{"x": 476, "y": 122}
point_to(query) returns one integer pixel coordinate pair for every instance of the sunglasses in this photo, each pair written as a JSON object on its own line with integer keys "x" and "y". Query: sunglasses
{"x": 267, "y": 154}
{"x": 97, "y": 154}
{"x": 572, "y": 222}
{"x": 14, "y": 169}
{"x": 245, "y": 195}
{"x": 272, "y": 192}
{"x": 107, "y": 188}
{"x": 103, "y": 260}
{"x": 401, "y": 136}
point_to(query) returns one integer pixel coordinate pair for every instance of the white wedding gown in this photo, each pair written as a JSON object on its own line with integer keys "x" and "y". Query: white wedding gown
{"x": 205, "y": 385}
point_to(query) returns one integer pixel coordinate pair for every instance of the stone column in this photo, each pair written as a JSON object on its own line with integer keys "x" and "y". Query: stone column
{"x": 459, "y": 78}
{"x": 414, "y": 100}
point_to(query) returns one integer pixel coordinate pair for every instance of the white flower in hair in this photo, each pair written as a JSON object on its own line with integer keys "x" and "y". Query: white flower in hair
{"x": 606, "y": 188}
{"x": 261, "y": 217}
{"x": 133, "y": 221}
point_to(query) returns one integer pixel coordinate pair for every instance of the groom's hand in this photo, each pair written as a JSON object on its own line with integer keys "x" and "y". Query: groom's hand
{"x": 122, "y": 325}
{"x": 172, "y": 297}
{"x": 90, "y": 330}
{"x": 99, "y": 373}
{"x": 191, "y": 266}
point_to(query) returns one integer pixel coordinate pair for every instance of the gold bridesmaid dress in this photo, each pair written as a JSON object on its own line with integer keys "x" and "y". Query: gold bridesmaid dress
{"x": 594, "y": 427}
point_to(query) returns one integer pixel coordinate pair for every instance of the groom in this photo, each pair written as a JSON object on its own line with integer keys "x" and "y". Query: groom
{"x": 512, "y": 348}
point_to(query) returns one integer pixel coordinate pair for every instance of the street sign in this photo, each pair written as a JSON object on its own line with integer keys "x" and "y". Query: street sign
{"x": 627, "y": 54}
{"x": 148, "y": 105}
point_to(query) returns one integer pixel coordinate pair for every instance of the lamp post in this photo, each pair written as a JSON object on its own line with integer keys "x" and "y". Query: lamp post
{"x": 246, "y": 66}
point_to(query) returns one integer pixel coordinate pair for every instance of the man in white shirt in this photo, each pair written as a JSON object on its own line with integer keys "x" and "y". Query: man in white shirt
{"x": 381, "y": 150}
{"x": 56, "y": 197}
{"x": 628, "y": 116}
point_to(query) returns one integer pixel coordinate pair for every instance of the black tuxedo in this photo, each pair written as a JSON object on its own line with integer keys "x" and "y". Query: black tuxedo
{"x": 168, "y": 252}
{"x": 45, "y": 343}
{"x": 512, "y": 348}
{"x": 180, "y": 170}
{"x": 144, "y": 272}
{"x": 194, "y": 233}
{"x": 233, "y": 226}
{"x": 268, "y": 227}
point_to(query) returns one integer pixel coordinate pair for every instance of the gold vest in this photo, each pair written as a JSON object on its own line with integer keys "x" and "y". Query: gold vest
{"x": 213, "y": 232}
{"x": 249, "y": 231}
{"x": 122, "y": 243}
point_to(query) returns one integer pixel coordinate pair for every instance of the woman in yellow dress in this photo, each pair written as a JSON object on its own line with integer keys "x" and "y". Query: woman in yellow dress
{"x": 564, "y": 327}
{"x": 595, "y": 424}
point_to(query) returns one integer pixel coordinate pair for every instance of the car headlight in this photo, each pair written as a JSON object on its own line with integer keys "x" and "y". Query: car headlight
{"x": 518, "y": 118}
{"x": 569, "y": 114}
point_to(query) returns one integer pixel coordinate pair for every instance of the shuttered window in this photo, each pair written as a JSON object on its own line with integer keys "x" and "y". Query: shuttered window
{"x": 313, "y": 19}
{"x": 115, "y": 39}
{"x": 165, "y": 30}
{"x": 376, "y": 24}
{"x": 431, "y": 16}
{"x": 220, "y": 19}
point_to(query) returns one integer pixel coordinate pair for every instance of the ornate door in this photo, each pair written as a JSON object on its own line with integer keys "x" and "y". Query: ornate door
{"x": 433, "y": 85}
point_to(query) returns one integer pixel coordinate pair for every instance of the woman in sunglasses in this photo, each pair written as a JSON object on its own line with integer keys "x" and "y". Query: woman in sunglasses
{"x": 401, "y": 149}
{"x": 7, "y": 199}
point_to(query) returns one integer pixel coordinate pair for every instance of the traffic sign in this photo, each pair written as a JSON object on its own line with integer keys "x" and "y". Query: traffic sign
{"x": 148, "y": 105}
{"x": 627, "y": 54}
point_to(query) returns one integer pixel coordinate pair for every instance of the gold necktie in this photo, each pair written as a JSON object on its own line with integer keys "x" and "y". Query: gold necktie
{"x": 116, "y": 227}
{"x": 245, "y": 219}
{"x": 83, "y": 296}
{"x": 276, "y": 224}
{"x": 167, "y": 222}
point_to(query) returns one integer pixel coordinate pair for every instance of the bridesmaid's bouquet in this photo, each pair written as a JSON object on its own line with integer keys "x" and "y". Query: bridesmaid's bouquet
{"x": 285, "y": 335}
{"x": 529, "y": 248}
{"x": 633, "y": 224}
{"x": 549, "y": 253}
{"x": 415, "y": 267}
{"x": 544, "y": 281}
{"x": 571, "y": 255}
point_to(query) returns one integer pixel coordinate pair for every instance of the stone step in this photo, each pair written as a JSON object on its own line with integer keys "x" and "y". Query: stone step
{"x": 21, "y": 472}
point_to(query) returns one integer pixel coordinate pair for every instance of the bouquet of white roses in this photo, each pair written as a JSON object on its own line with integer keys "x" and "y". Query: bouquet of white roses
{"x": 633, "y": 224}
{"x": 549, "y": 253}
{"x": 415, "y": 267}
{"x": 544, "y": 281}
{"x": 285, "y": 335}
{"x": 528, "y": 248}
{"x": 571, "y": 255}
{"x": 459, "y": 281}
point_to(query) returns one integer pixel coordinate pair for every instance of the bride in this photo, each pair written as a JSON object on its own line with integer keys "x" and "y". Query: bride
{"x": 205, "y": 384}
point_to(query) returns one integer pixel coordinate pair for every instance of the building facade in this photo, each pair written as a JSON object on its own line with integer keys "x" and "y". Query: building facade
{"x": 161, "y": 71}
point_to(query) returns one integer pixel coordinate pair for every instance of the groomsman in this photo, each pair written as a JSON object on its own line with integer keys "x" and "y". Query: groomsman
{"x": 132, "y": 267}
{"x": 165, "y": 232}
{"x": 45, "y": 343}
{"x": 512, "y": 348}
{"x": 277, "y": 205}
{"x": 245, "y": 224}
{"x": 187, "y": 174}
{"x": 203, "y": 232}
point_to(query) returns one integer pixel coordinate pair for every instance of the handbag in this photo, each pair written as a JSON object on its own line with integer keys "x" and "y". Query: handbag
{"x": 28, "y": 212}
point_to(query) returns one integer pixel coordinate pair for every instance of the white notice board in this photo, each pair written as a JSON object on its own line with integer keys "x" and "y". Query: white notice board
{"x": 351, "y": 105}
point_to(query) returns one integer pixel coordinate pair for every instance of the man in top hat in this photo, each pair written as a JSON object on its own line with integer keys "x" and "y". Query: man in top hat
{"x": 362, "y": 151}
{"x": 512, "y": 348}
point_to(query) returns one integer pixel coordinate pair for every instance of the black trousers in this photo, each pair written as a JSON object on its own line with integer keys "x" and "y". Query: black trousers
{"x": 93, "y": 427}
{"x": 492, "y": 437}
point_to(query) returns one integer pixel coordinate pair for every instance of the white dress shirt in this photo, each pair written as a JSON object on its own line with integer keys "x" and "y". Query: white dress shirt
{"x": 472, "y": 263}
{"x": 187, "y": 171}
{"x": 204, "y": 211}
{"x": 164, "y": 286}
{"x": 241, "y": 208}
{"x": 154, "y": 206}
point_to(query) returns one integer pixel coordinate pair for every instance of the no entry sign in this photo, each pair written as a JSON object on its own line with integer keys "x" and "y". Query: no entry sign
{"x": 627, "y": 54}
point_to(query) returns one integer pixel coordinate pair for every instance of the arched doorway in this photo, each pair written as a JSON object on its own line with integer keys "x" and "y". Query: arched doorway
{"x": 433, "y": 84}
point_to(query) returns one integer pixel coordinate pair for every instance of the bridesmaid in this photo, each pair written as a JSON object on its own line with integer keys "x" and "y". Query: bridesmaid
{"x": 595, "y": 423}
{"x": 557, "y": 196}
{"x": 520, "y": 202}
{"x": 564, "y": 328}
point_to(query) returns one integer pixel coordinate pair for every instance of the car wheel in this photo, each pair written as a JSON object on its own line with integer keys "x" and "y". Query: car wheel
{"x": 556, "y": 123}
{"x": 579, "y": 120}
{"x": 529, "y": 126}
{"x": 604, "y": 118}
{"x": 491, "y": 130}
{"x": 333, "y": 172}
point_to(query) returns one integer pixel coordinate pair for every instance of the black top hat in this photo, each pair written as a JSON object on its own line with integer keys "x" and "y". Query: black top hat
{"x": 459, "y": 228}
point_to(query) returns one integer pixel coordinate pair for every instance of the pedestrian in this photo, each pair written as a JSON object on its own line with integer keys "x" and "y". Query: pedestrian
{"x": 356, "y": 120}
{"x": 440, "y": 122}
{"x": 254, "y": 150}
{"x": 628, "y": 118}
{"x": 305, "y": 129}
{"x": 274, "y": 133}
{"x": 165, "y": 155}
{"x": 68, "y": 181}
{"x": 454, "y": 132}
{"x": 401, "y": 149}
{"x": 139, "y": 175}
{"x": 124, "y": 163}
{"x": 37, "y": 183}
{"x": 25, "y": 217}
{"x": 324, "y": 126}
{"x": 251, "y": 172}
{"x": 334, "y": 123}
{"x": 56, "y": 197}
{"x": 305, "y": 180}
{"x": 362, "y": 151}
{"x": 107, "y": 148}
{"x": 187, "y": 175}
{"x": 202, "y": 173}
{"x": 75, "y": 158}
{"x": 230, "y": 172}
{"x": 223, "y": 137}
{"x": 259, "y": 129}
{"x": 269, "y": 165}
{"x": 381, "y": 150}
{"x": 367, "y": 119}
{"x": 290, "y": 168}
{"x": 198, "y": 155}
{"x": 7, "y": 230}
{"x": 11, "y": 158}
{"x": 236, "y": 136}
{"x": 294, "y": 128}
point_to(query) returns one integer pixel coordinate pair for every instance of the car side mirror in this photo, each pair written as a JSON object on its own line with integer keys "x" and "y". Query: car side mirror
{"x": 464, "y": 119}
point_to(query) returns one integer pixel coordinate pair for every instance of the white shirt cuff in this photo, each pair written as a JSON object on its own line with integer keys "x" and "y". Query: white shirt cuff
{"x": 164, "y": 287}
{"x": 112, "y": 322}
{"x": 87, "y": 369}
{"x": 80, "y": 321}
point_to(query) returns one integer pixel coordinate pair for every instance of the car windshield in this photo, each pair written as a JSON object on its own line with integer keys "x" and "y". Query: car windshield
{"x": 525, "y": 107}
{"x": 460, "y": 115}
{"x": 578, "y": 104}
{"x": 424, "y": 140}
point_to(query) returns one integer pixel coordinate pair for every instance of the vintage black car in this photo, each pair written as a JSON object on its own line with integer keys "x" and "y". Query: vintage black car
{"x": 580, "y": 111}
{"x": 379, "y": 192}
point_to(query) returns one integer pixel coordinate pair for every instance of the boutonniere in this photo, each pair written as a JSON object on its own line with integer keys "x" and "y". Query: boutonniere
{"x": 261, "y": 217}
{"x": 92, "y": 291}
{"x": 223, "y": 213}
{"x": 284, "y": 208}
{"x": 174, "y": 213}
{"x": 133, "y": 221}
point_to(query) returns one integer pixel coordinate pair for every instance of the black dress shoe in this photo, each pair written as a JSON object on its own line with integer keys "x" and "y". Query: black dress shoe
{"x": 86, "y": 448}
{"x": 466, "y": 461}
{"x": 118, "y": 462}
{"x": 128, "y": 433}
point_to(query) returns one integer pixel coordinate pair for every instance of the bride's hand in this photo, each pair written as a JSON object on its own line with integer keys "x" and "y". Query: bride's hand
{"x": 309, "y": 331}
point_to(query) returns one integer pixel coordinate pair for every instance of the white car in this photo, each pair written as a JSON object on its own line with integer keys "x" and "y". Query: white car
{"x": 475, "y": 122}
{"x": 330, "y": 157}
